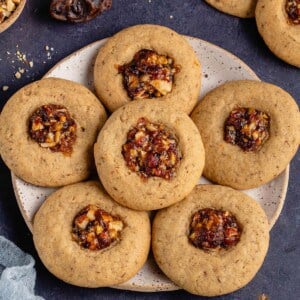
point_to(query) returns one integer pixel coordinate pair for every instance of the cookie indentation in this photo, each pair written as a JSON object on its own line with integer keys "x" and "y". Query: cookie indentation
{"x": 214, "y": 229}
{"x": 96, "y": 229}
{"x": 149, "y": 75}
{"x": 248, "y": 128}
{"x": 152, "y": 150}
{"x": 292, "y": 8}
{"x": 53, "y": 127}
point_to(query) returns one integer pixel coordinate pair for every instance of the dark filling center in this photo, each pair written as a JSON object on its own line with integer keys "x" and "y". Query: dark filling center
{"x": 211, "y": 228}
{"x": 248, "y": 128}
{"x": 151, "y": 150}
{"x": 52, "y": 127}
{"x": 148, "y": 75}
{"x": 292, "y": 8}
{"x": 96, "y": 229}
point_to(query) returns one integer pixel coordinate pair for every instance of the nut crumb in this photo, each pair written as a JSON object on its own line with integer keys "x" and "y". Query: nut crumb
{"x": 18, "y": 75}
{"x": 5, "y": 88}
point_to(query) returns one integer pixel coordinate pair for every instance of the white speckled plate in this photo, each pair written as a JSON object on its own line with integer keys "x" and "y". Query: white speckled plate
{"x": 218, "y": 67}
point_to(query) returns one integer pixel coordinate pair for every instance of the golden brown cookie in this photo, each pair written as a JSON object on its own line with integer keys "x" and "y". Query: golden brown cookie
{"x": 278, "y": 22}
{"x": 47, "y": 131}
{"x": 147, "y": 61}
{"x": 242, "y": 9}
{"x": 148, "y": 155}
{"x": 85, "y": 238}
{"x": 250, "y": 131}
{"x": 213, "y": 242}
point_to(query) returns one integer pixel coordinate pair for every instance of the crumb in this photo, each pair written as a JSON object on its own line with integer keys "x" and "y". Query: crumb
{"x": 52, "y": 49}
{"x": 5, "y": 88}
{"x": 31, "y": 64}
{"x": 263, "y": 297}
{"x": 171, "y": 17}
{"x": 47, "y": 48}
{"x": 21, "y": 70}
{"x": 18, "y": 75}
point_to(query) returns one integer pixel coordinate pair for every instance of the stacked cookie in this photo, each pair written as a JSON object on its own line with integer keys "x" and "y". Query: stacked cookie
{"x": 149, "y": 155}
{"x": 278, "y": 23}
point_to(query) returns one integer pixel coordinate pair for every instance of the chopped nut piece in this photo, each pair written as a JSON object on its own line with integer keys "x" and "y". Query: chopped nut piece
{"x": 18, "y": 75}
{"x": 151, "y": 150}
{"x": 95, "y": 229}
{"x": 248, "y": 128}
{"x": 292, "y": 8}
{"x": 148, "y": 75}
{"x": 5, "y": 88}
{"x": 52, "y": 127}
{"x": 214, "y": 229}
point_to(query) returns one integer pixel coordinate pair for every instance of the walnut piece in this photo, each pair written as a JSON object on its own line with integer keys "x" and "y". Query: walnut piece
{"x": 148, "y": 75}
{"x": 214, "y": 229}
{"x": 151, "y": 150}
{"x": 96, "y": 229}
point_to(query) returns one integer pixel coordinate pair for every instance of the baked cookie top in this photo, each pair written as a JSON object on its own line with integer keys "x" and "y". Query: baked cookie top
{"x": 47, "y": 131}
{"x": 250, "y": 131}
{"x": 85, "y": 238}
{"x": 148, "y": 155}
{"x": 147, "y": 61}
{"x": 238, "y": 8}
{"x": 278, "y": 23}
{"x": 211, "y": 243}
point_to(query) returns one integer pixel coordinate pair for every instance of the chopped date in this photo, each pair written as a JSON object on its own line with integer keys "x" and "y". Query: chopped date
{"x": 78, "y": 10}
{"x": 214, "y": 229}
{"x": 151, "y": 150}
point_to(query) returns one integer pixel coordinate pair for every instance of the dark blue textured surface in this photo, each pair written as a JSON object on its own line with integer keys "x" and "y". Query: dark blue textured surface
{"x": 280, "y": 275}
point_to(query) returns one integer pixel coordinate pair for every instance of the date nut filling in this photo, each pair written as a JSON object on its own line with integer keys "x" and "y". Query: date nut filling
{"x": 52, "y": 127}
{"x": 148, "y": 75}
{"x": 292, "y": 8}
{"x": 248, "y": 128}
{"x": 213, "y": 229}
{"x": 96, "y": 229}
{"x": 151, "y": 150}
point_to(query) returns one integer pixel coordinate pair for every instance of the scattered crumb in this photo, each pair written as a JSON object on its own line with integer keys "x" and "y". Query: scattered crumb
{"x": 263, "y": 297}
{"x": 150, "y": 1}
{"x": 31, "y": 64}
{"x": 5, "y": 88}
{"x": 18, "y": 75}
{"x": 21, "y": 70}
{"x": 171, "y": 17}
{"x": 47, "y": 48}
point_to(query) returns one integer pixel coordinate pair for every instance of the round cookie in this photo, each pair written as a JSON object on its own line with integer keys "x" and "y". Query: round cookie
{"x": 238, "y": 8}
{"x": 148, "y": 179}
{"x": 121, "y": 50}
{"x": 70, "y": 261}
{"x": 34, "y": 161}
{"x": 210, "y": 272}
{"x": 280, "y": 32}
{"x": 229, "y": 164}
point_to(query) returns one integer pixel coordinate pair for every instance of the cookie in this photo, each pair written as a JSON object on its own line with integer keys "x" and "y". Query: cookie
{"x": 242, "y": 9}
{"x": 213, "y": 242}
{"x": 147, "y": 61}
{"x": 85, "y": 238}
{"x": 278, "y": 23}
{"x": 148, "y": 155}
{"x": 47, "y": 132}
{"x": 250, "y": 131}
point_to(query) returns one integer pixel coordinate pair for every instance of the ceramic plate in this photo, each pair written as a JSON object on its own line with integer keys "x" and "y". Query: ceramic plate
{"x": 218, "y": 66}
